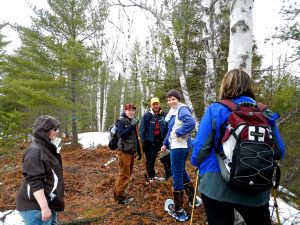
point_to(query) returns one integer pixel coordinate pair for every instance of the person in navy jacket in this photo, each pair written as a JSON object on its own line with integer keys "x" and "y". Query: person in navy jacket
{"x": 180, "y": 124}
{"x": 218, "y": 198}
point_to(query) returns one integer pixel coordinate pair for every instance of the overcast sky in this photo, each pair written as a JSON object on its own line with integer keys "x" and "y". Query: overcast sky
{"x": 265, "y": 18}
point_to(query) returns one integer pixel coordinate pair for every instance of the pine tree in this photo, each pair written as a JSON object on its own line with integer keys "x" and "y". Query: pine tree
{"x": 54, "y": 67}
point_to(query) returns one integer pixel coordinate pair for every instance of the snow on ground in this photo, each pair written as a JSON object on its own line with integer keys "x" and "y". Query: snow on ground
{"x": 10, "y": 217}
{"x": 91, "y": 140}
{"x": 288, "y": 214}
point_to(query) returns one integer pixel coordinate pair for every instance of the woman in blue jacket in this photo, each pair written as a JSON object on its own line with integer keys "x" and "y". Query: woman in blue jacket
{"x": 218, "y": 198}
{"x": 180, "y": 124}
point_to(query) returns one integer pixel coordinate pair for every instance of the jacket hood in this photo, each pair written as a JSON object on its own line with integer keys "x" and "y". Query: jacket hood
{"x": 43, "y": 125}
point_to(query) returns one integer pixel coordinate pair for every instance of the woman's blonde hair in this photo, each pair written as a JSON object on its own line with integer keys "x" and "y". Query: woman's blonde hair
{"x": 235, "y": 83}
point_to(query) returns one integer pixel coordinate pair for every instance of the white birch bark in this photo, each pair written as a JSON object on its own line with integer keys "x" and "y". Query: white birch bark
{"x": 122, "y": 97}
{"x": 211, "y": 40}
{"x": 141, "y": 86}
{"x": 98, "y": 85}
{"x": 98, "y": 106}
{"x": 104, "y": 113}
{"x": 241, "y": 30}
{"x": 240, "y": 46}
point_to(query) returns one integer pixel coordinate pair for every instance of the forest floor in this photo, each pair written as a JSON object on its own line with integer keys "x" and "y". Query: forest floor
{"x": 89, "y": 189}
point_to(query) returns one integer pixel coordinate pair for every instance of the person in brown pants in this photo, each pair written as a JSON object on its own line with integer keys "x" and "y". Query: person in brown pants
{"x": 128, "y": 147}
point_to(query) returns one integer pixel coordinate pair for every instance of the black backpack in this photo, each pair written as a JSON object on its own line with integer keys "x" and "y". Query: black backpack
{"x": 247, "y": 160}
{"x": 113, "y": 138}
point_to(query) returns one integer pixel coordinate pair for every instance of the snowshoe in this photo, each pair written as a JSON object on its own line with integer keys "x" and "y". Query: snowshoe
{"x": 180, "y": 215}
{"x": 198, "y": 202}
{"x": 150, "y": 180}
{"x": 125, "y": 201}
{"x": 159, "y": 178}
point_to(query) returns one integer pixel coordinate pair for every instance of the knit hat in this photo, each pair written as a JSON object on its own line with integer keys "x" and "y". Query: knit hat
{"x": 154, "y": 100}
{"x": 173, "y": 93}
{"x": 129, "y": 106}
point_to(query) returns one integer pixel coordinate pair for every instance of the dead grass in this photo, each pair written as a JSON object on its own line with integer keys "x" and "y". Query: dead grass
{"x": 89, "y": 190}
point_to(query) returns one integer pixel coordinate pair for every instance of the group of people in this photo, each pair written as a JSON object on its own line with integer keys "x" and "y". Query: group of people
{"x": 41, "y": 195}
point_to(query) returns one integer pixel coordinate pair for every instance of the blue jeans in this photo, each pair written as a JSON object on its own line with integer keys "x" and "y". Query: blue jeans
{"x": 34, "y": 217}
{"x": 179, "y": 174}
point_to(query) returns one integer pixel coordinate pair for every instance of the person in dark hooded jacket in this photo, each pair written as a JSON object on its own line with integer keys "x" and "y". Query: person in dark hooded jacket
{"x": 42, "y": 193}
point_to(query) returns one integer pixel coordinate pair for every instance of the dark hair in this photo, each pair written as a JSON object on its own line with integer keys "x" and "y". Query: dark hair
{"x": 235, "y": 83}
{"x": 129, "y": 106}
{"x": 173, "y": 93}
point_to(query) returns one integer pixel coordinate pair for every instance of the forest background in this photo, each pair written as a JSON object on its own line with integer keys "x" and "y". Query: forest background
{"x": 66, "y": 66}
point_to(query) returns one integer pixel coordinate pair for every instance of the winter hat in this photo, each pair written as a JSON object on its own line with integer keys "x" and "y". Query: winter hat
{"x": 174, "y": 93}
{"x": 154, "y": 100}
{"x": 129, "y": 106}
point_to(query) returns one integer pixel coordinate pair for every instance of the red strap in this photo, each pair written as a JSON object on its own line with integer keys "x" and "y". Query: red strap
{"x": 233, "y": 106}
{"x": 229, "y": 104}
{"x": 261, "y": 107}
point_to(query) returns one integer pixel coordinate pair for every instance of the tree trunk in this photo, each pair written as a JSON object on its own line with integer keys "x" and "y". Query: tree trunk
{"x": 74, "y": 115}
{"x": 241, "y": 31}
{"x": 122, "y": 97}
{"x": 211, "y": 40}
{"x": 104, "y": 108}
{"x": 98, "y": 105}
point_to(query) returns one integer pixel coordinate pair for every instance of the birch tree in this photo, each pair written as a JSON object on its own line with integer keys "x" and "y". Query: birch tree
{"x": 164, "y": 20}
{"x": 240, "y": 46}
{"x": 241, "y": 31}
{"x": 211, "y": 16}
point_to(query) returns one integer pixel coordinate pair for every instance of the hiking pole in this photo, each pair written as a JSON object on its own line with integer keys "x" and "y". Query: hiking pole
{"x": 142, "y": 152}
{"x": 195, "y": 194}
{"x": 276, "y": 205}
{"x": 274, "y": 191}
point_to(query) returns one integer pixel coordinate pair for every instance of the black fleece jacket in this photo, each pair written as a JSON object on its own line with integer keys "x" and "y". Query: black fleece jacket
{"x": 42, "y": 169}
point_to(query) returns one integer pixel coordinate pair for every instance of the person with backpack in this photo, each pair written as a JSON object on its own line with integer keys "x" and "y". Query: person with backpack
{"x": 128, "y": 147}
{"x": 153, "y": 129}
{"x": 180, "y": 124}
{"x": 234, "y": 149}
{"x": 41, "y": 195}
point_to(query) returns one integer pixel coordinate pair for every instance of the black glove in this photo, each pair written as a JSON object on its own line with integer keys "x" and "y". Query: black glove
{"x": 140, "y": 155}
{"x": 134, "y": 121}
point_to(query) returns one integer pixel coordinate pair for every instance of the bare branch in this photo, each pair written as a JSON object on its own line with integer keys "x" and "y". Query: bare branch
{"x": 289, "y": 115}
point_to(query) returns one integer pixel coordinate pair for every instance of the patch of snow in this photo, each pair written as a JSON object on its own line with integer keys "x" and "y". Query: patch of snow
{"x": 288, "y": 215}
{"x": 282, "y": 189}
{"x": 91, "y": 140}
{"x": 11, "y": 217}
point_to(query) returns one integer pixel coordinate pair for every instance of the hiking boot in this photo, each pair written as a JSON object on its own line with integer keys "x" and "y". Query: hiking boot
{"x": 125, "y": 201}
{"x": 179, "y": 215}
{"x": 190, "y": 191}
{"x": 167, "y": 175}
{"x": 178, "y": 211}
